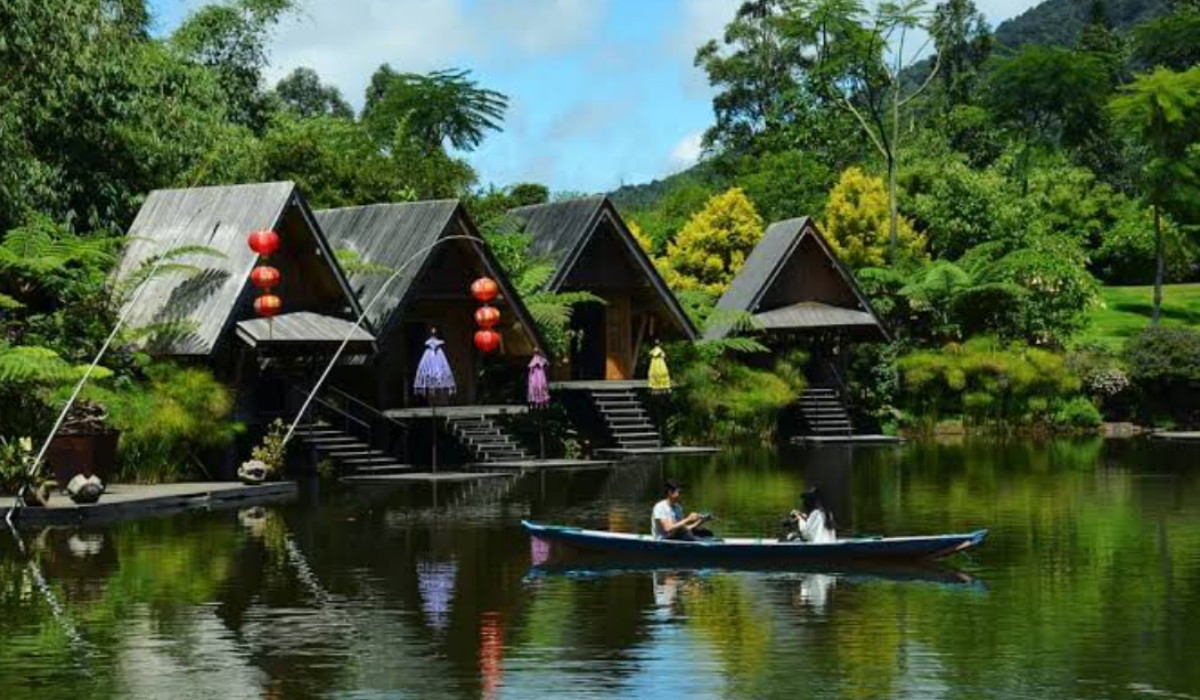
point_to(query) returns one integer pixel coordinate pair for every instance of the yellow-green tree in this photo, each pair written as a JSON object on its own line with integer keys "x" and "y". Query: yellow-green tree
{"x": 712, "y": 246}
{"x": 640, "y": 236}
{"x": 857, "y": 222}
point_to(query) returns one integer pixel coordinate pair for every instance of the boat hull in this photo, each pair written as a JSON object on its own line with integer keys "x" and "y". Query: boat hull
{"x": 752, "y": 549}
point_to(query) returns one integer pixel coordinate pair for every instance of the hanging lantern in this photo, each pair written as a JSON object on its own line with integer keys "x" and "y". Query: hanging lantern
{"x": 264, "y": 242}
{"x": 264, "y": 277}
{"x": 487, "y": 340}
{"x": 484, "y": 289}
{"x": 268, "y": 305}
{"x": 487, "y": 316}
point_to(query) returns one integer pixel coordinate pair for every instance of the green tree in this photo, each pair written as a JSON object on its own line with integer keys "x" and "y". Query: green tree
{"x": 435, "y": 109}
{"x": 713, "y": 245}
{"x": 857, "y": 223}
{"x": 867, "y": 66}
{"x": 1160, "y": 111}
{"x": 963, "y": 40}
{"x": 304, "y": 95}
{"x": 1050, "y": 97}
{"x": 231, "y": 40}
{"x": 1171, "y": 41}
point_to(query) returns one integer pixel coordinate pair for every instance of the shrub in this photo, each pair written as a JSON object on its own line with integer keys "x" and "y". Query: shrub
{"x": 991, "y": 384}
{"x": 1164, "y": 365}
{"x": 1077, "y": 413}
{"x": 723, "y": 398}
{"x": 168, "y": 421}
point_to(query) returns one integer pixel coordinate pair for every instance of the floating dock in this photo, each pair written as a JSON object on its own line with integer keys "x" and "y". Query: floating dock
{"x": 423, "y": 477}
{"x": 847, "y": 440}
{"x": 127, "y": 501}
{"x": 681, "y": 450}
{"x": 537, "y": 465}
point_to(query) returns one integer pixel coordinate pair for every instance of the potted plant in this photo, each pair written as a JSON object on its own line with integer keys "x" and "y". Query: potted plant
{"x": 266, "y": 460}
{"x": 18, "y": 476}
{"x": 84, "y": 444}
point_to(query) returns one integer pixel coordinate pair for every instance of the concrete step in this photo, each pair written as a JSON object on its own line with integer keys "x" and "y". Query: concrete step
{"x": 383, "y": 469}
{"x": 644, "y": 435}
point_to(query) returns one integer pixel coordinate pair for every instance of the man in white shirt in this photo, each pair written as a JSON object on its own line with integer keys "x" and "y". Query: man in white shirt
{"x": 667, "y": 521}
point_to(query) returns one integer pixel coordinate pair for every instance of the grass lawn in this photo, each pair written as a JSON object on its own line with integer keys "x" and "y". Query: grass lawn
{"x": 1126, "y": 311}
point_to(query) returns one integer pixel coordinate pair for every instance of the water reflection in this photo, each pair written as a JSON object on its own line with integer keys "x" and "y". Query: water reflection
{"x": 1092, "y": 588}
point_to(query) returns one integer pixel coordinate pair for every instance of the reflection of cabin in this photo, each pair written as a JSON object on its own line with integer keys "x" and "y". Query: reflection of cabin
{"x": 799, "y": 294}
{"x": 206, "y": 313}
{"x": 432, "y": 291}
{"x": 592, "y": 250}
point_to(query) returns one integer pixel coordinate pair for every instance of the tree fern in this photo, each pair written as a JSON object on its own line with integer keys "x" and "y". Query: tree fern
{"x": 353, "y": 264}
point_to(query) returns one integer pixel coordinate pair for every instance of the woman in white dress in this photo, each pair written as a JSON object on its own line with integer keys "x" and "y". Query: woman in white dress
{"x": 814, "y": 522}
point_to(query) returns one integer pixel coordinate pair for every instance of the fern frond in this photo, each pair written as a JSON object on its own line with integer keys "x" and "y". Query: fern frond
{"x": 733, "y": 344}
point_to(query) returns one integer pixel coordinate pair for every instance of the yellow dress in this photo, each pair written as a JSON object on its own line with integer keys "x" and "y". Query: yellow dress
{"x": 659, "y": 376}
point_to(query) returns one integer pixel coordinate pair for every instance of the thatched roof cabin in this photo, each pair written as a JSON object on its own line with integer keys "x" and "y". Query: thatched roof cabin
{"x": 593, "y": 250}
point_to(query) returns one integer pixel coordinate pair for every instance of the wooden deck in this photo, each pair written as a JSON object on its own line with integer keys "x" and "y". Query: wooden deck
{"x": 128, "y": 501}
{"x": 599, "y": 385}
{"x": 455, "y": 411}
{"x": 679, "y": 450}
{"x": 543, "y": 465}
{"x": 847, "y": 440}
{"x": 423, "y": 477}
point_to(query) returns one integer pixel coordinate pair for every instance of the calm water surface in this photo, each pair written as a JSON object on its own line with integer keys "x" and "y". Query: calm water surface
{"x": 1089, "y": 587}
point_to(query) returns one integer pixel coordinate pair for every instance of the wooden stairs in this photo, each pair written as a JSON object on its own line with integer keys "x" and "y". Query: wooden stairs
{"x": 487, "y": 440}
{"x": 824, "y": 412}
{"x": 353, "y": 456}
{"x": 626, "y": 419}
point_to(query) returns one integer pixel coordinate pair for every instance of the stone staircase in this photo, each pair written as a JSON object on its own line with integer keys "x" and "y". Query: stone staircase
{"x": 486, "y": 439}
{"x": 353, "y": 456}
{"x": 824, "y": 412}
{"x": 626, "y": 418}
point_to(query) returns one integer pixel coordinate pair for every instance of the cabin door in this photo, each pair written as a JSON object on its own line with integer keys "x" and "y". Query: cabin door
{"x": 588, "y": 348}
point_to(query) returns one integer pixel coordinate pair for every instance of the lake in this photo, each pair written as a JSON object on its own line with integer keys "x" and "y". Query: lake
{"x": 1088, "y": 587}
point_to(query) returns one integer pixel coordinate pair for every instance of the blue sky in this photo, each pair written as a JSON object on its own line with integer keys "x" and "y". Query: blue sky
{"x": 602, "y": 92}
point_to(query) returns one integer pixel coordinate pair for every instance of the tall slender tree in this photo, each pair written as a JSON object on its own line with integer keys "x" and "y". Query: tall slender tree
{"x": 1161, "y": 112}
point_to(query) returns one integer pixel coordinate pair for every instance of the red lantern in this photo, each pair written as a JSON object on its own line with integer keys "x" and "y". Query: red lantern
{"x": 268, "y": 305}
{"x": 487, "y": 340}
{"x": 485, "y": 289}
{"x": 264, "y": 277}
{"x": 487, "y": 316}
{"x": 264, "y": 242}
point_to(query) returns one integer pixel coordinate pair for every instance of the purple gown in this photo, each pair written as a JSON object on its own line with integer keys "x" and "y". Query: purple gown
{"x": 538, "y": 390}
{"x": 433, "y": 372}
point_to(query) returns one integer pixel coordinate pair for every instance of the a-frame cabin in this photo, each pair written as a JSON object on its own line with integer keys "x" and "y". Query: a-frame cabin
{"x": 201, "y": 306}
{"x": 799, "y": 293}
{"x": 593, "y": 250}
{"x": 441, "y": 253}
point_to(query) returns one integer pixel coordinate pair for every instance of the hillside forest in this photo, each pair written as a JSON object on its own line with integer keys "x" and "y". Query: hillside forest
{"x": 985, "y": 186}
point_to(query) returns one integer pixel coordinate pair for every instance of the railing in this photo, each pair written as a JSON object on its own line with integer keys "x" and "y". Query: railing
{"x": 356, "y": 417}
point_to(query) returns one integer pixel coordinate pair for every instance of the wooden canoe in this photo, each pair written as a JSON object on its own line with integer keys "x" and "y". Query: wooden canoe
{"x": 918, "y": 548}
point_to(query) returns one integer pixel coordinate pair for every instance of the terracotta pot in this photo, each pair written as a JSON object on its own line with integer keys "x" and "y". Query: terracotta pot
{"x": 83, "y": 453}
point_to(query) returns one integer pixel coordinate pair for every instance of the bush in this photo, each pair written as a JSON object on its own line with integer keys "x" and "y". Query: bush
{"x": 723, "y": 398}
{"x": 168, "y": 421}
{"x": 1077, "y": 413}
{"x": 1164, "y": 366}
{"x": 990, "y": 384}
{"x": 1126, "y": 252}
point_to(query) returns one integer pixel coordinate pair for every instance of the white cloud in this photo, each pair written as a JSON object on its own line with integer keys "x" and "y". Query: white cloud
{"x": 700, "y": 21}
{"x": 687, "y": 151}
{"x": 346, "y": 40}
{"x": 534, "y": 27}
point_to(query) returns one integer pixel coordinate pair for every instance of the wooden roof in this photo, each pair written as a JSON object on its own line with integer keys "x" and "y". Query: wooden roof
{"x": 395, "y": 235}
{"x": 219, "y": 218}
{"x": 771, "y": 258}
{"x": 304, "y": 329}
{"x": 561, "y": 232}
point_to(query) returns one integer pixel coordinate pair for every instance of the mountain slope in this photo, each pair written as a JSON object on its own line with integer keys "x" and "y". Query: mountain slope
{"x": 1061, "y": 21}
